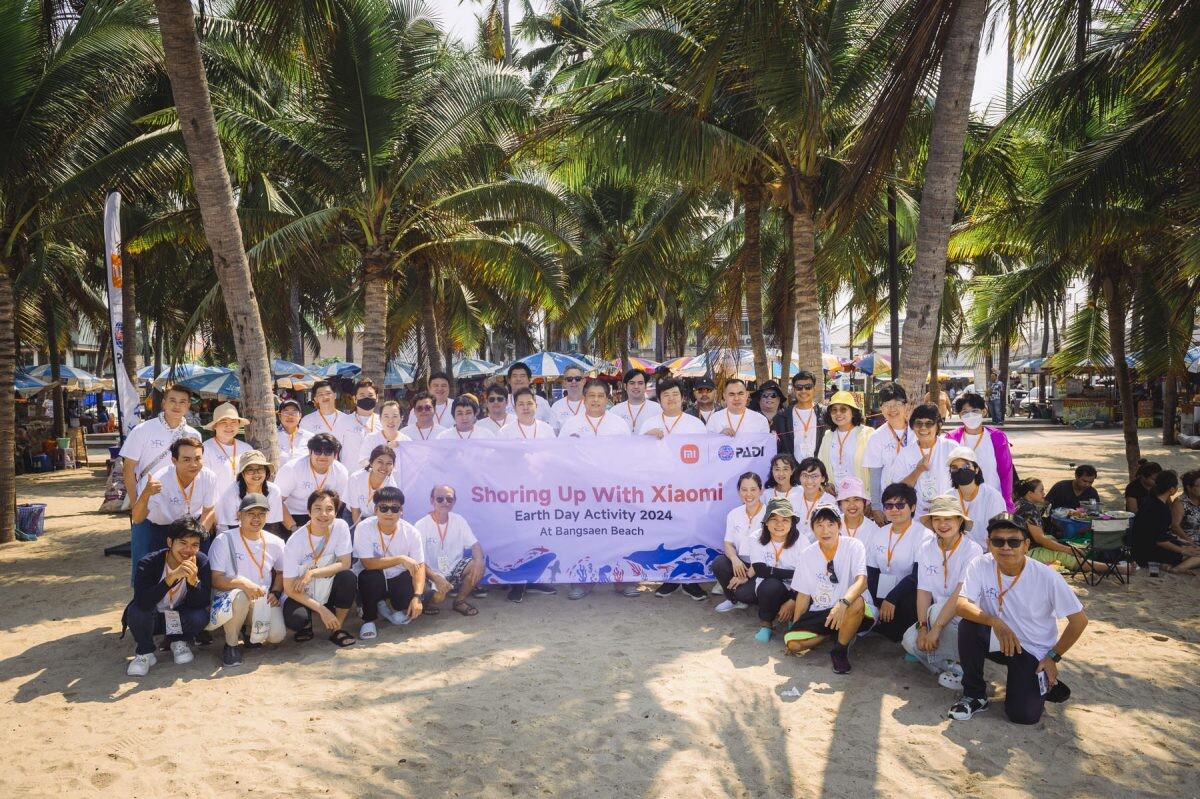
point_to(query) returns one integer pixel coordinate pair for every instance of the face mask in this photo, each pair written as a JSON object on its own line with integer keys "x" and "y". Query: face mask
{"x": 962, "y": 476}
{"x": 972, "y": 420}
{"x": 366, "y": 404}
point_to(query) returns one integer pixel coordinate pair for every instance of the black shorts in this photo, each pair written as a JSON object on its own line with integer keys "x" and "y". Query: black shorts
{"x": 813, "y": 621}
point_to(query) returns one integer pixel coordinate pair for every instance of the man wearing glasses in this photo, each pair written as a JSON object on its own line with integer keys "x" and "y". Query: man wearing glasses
{"x": 392, "y": 559}
{"x": 636, "y": 408}
{"x": 706, "y": 400}
{"x": 800, "y": 429}
{"x": 293, "y": 439}
{"x": 298, "y": 479}
{"x": 453, "y": 554}
{"x": 831, "y": 591}
{"x": 1010, "y": 604}
{"x": 424, "y": 426}
{"x": 571, "y": 403}
{"x": 495, "y": 405}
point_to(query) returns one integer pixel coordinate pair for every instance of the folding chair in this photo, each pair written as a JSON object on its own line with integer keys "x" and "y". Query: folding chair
{"x": 1107, "y": 545}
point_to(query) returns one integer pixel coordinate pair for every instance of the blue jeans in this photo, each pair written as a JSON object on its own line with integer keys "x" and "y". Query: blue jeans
{"x": 997, "y": 409}
{"x": 145, "y": 624}
{"x": 144, "y": 538}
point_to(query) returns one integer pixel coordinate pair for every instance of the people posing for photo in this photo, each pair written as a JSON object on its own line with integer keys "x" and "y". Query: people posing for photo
{"x": 993, "y": 452}
{"x": 292, "y": 439}
{"x": 890, "y": 446}
{"x": 221, "y": 452}
{"x": 184, "y": 488}
{"x": 317, "y": 575}
{"x": 254, "y": 477}
{"x": 363, "y": 484}
{"x": 978, "y": 500}
{"x": 465, "y": 412}
{"x": 391, "y": 557}
{"x": 705, "y": 404}
{"x": 925, "y": 467}
{"x": 801, "y": 429}
{"x": 388, "y": 434}
{"x": 844, "y": 442}
{"x": 453, "y": 556}
{"x": 892, "y": 562}
{"x": 775, "y": 556}
{"x": 853, "y": 502}
{"x": 734, "y": 568}
{"x": 637, "y": 406}
{"x": 299, "y": 479}
{"x": 735, "y": 419}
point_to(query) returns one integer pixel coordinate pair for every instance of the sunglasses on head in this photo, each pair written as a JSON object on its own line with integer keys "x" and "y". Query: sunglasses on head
{"x": 1011, "y": 543}
{"x": 387, "y": 508}
{"x": 901, "y": 505}
{"x": 443, "y": 500}
{"x": 833, "y": 578}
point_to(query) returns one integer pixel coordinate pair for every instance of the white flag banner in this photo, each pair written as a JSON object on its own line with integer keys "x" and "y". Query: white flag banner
{"x": 127, "y": 395}
{"x": 572, "y": 510}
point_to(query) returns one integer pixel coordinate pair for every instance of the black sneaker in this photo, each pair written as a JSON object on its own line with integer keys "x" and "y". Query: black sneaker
{"x": 231, "y": 656}
{"x": 695, "y": 591}
{"x": 666, "y": 589}
{"x": 204, "y": 638}
{"x": 516, "y": 593}
{"x": 1059, "y": 693}
{"x": 841, "y": 660}
{"x": 965, "y": 708}
{"x": 480, "y": 592}
{"x": 541, "y": 588}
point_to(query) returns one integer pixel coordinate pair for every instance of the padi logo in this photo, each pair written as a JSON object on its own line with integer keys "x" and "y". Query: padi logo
{"x": 725, "y": 453}
{"x": 689, "y": 453}
{"x": 749, "y": 452}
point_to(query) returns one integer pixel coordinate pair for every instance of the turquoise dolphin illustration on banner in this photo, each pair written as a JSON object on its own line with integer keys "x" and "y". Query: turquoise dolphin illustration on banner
{"x": 525, "y": 572}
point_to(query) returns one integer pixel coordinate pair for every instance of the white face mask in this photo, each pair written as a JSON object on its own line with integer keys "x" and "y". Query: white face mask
{"x": 972, "y": 420}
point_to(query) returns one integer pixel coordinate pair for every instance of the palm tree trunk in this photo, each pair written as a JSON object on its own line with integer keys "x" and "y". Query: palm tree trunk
{"x": 1170, "y": 408}
{"x": 1114, "y": 295}
{"x": 1005, "y": 353}
{"x": 752, "y": 269}
{"x": 787, "y": 322}
{"x": 506, "y": 18}
{"x": 132, "y": 359}
{"x": 956, "y": 81}
{"x": 55, "y": 359}
{"x": 189, "y": 87}
{"x": 375, "y": 306}
{"x": 429, "y": 322}
{"x": 8, "y": 411}
{"x": 805, "y": 302}
{"x": 295, "y": 340}
{"x": 934, "y": 357}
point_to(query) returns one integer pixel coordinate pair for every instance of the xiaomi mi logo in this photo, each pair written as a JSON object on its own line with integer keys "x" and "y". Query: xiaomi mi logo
{"x": 689, "y": 453}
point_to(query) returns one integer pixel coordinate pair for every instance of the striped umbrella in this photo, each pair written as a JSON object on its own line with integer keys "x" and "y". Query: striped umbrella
{"x": 596, "y": 365}
{"x": 69, "y": 376}
{"x": 645, "y": 364}
{"x": 27, "y": 385}
{"x": 474, "y": 367}
{"x": 397, "y": 374}
{"x": 281, "y": 368}
{"x": 180, "y": 371}
{"x": 222, "y": 385}
{"x": 875, "y": 364}
{"x": 830, "y": 363}
{"x": 548, "y": 365}
{"x": 334, "y": 369}
{"x": 723, "y": 361}
{"x": 675, "y": 364}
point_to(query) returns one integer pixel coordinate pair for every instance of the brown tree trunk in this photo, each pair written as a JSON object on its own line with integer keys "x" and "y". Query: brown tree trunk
{"x": 375, "y": 306}
{"x": 805, "y": 301}
{"x": 934, "y": 357}
{"x": 295, "y": 339}
{"x": 214, "y": 194}
{"x": 787, "y": 322}
{"x": 1170, "y": 410}
{"x": 1114, "y": 295}
{"x": 429, "y": 322}
{"x": 956, "y": 81}
{"x": 129, "y": 278}
{"x": 752, "y": 269}
{"x": 55, "y": 360}
{"x": 8, "y": 411}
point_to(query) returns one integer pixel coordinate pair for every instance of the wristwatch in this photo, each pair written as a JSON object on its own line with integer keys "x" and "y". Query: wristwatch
{"x": 1054, "y": 656}
{"x": 844, "y": 602}
{"x": 922, "y": 625}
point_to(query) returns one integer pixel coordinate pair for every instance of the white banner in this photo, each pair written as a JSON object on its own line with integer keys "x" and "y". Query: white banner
{"x": 572, "y": 510}
{"x": 127, "y": 395}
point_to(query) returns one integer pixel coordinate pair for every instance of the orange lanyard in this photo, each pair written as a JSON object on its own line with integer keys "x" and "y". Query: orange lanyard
{"x": 633, "y": 417}
{"x": 779, "y": 552}
{"x": 438, "y": 416}
{"x": 232, "y": 458}
{"x": 729, "y": 418}
{"x": 670, "y": 428}
{"x": 172, "y": 591}
{"x": 521, "y": 429}
{"x": 316, "y": 555}
{"x": 966, "y": 506}
{"x": 946, "y": 555}
{"x": 327, "y": 424}
{"x": 805, "y": 424}
{"x": 750, "y": 516}
{"x": 423, "y": 436}
{"x": 313, "y": 471}
{"x": 892, "y": 547}
{"x": 383, "y": 548}
{"x": 704, "y": 418}
{"x": 292, "y": 440}
{"x": 925, "y": 458}
{"x": 262, "y": 563}
{"x": 841, "y": 440}
{"x": 442, "y": 530}
{"x": 370, "y": 429}
{"x": 785, "y": 496}
{"x": 834, "y": 555}
{"x": 852, "y": 533}
{"x": 899, "y": 441}
{"x": 501, "y": 424}
{"x": 574, "y": 411}
{"x": 978, "y": 441}
{"x": 1001, "y": 590}
{"x": 187, "y": 492}
{"x": 808, "y": 507}
{"x": 595, "y": 427}
{"x": 459, "y": 432}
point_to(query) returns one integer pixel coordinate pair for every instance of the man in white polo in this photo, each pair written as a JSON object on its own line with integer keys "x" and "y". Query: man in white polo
{"x": 571, "y": 403}
{"x": 735, "y": 419}
{"x": 637, "y": 406}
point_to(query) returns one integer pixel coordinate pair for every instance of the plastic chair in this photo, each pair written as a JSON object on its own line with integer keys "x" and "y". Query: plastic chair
{"x": 1109, "y": 547}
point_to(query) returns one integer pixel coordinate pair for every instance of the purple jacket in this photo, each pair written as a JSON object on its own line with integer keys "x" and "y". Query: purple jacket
{"x": 1004, "y": 461}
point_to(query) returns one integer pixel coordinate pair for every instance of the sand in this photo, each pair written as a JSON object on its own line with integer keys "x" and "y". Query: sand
{"x": 603, "y": 697}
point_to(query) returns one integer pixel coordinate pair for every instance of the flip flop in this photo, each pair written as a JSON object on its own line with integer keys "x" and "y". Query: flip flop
{"x": 466, "y": 608}
{"x": 432, "y": 610}
{"x": 343, "y": 639}
{"x": 303, "y": 635}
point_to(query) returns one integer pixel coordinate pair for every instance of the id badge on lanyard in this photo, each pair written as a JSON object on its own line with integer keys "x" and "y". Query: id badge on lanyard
{"x": 174, "y": 625}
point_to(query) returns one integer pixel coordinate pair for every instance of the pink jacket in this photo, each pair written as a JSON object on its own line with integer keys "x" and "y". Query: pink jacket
{"x": 1004, "y": 461}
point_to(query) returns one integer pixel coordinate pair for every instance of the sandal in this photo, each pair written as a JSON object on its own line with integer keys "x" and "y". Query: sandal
{"x": 303, "y": 635}
{"x": 431, "y": 610}
{"x": 466, "y": 608}
{"x": 343, "y": 639}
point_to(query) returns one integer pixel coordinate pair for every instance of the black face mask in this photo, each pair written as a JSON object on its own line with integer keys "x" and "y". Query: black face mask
{"x": 366, "y": 404}
{"x": 962, "y": 476}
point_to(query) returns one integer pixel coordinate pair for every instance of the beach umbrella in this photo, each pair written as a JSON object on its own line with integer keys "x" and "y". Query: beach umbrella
{"x": 635, "y": 362}
{"x": 875, "y": 364}
{"x": 281, "y": 368}
{"x": 548, "y": 365}
{"x": 176, "y": 373}
{"x": 397, "y": 374}
{"x": 27, "y": 385}
{"x": 222, "y": 385}
{"x": 473, "y": 367}
{"x": 334, "y": 369}
{"x": 721, "y": 361}
{"x": 830, "y": 363}
{"x": 1191, "y": 360}
{"x": 597, "y": 365}
{"x": 675, "y": 364}
{"x": 69, "y": 376}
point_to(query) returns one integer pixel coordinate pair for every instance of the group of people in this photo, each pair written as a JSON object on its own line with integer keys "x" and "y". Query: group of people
{"x": 847, "y": 534}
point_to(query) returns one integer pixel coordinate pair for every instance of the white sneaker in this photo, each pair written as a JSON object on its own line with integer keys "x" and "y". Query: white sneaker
{"x": 729, "y": 605}
{"x": 140, "y": 665}
{"x": 181, "y": 653}
{"x": 950, "y": 679}
{"x": 717, "y": 590}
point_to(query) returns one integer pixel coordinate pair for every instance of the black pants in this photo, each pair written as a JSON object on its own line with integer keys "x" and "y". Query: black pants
{"x": 373, "y": 587}
{"x": 771, "y": 593}
{"x": 341, "y": 597}
{"x": 904, "y": 617}
{"x": 145, "y": 624}
{"x": 722, "y": 568}
{"x": 1023, "y": 700}
{"x": 300, "y": 519}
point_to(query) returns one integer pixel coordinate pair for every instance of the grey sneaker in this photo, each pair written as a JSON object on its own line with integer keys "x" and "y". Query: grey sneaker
{"x": 577, "y": 592}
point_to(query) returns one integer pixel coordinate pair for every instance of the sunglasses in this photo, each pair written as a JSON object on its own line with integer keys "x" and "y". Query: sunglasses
{"x": 804, "y": 387}
{"x": 323, "y": 451}
{"x": 444, "y": 500}
{"x": 1011, "y": 543}
{"x": 424, "y": 409}
{"x": 833, "y": 578}
{"x": 923, "y": 424}
{"x": 770, "y": 395}
{"x": 572, "y": 379}
{"x": 389, "y": 508}
{"x": 495, "y": 398}
{"x": 704, "y": 391}
{"x": 895, "y": 505}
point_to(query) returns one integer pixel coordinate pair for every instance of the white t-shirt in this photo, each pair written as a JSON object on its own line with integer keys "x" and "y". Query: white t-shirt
{"x": 477, "y": 432}
{"x": 377, "y": 439}
{"x": 904, "y": 548}
{"x": 150, "y": 438}
{"x": 369, "y": 542}
{"x": 633, "y": 414}
{"x": 316, "y": 422}
{"x": 774, "y": 555}
{"x": 299, "y": 551}
{"x": 359, "y": 493}
{"x": 743, "y": 530}
{"x": 173, "y": 502}
{"x": 804, "y": 431}
{"x": 940, "y": 576}
{"x": 987, "y": 503}
{"x": 352, "y": 430}
{"x": 935, "y": 480}
{"x": 564, "y": 408}
{"x": 297, "y": 481}
{"x": 585, "y": 426}
{"x": 841, "y": 458}
{"x": 487, "y": 423}
{"x": 812, "y": 573}
{"x": 805, "y": 509}
{"x": 865, "y": 532}
{"x": 223, "y": 460}
{"x": 985, "y": 456}
{"x": 883, "y": 452}
{"x": 681, "y": 425}
{"x": 1031, "y": 606}
{"x": 293, "y": 446}
{"x": 228, "y": 502}
{"x": 267, "y": 551}
{"x": 543, "y": 409}
{"x": 515, "y": 429}
{"x": 442, "y": 417}
{"x": 751, "y": 422}
{"x": 414, "y": 433}
{"x": 443, "y": 555}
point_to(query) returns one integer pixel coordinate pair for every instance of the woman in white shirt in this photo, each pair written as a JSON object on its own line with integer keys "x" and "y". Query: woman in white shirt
{"x": 775, "y": 555}
{"x": 844, "y": 445}
{"x": 783, "y": 482}
{"x": 853, "y": 502}
{"x": 813, "y": 492}
{"x": 926, "y": 466}
{"x": 388, "y": 433}
{"x": 977, "y": 500}
{"x": 316, "y": 572}
{"x": 742, "y": 526}
{"x": 254, "y": 477}
{"x": 365, "y": 482}
{"x": 892, "y": 562}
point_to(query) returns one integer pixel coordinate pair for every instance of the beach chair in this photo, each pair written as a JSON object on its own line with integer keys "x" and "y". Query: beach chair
{"x": 1106, "y": 544}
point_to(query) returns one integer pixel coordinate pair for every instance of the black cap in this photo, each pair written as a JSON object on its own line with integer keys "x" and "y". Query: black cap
{"x": 704, "y": 382}
{"x": 770, "y": 385}
{"x": 291, "y": 402}
{"x": 1007, "y": 520}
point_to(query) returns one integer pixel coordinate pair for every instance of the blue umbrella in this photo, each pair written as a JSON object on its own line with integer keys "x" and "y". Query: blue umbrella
{"x": 473, "y": 367}
{"x": 281, "y": 368}
{"x": 335, "y": 369}
{"x": 398, "y": 374}
{"x": 27, "y": 385}
{"x": 180, "y": 371}
{"x": 69, "y": 376}
{"x": 223, "y": 385}
{"x": 548, "y": 365}
{"x": 1192, "y": 360}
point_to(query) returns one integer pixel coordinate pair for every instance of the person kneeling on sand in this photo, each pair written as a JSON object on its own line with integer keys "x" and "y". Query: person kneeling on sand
{"x": 171, "y": 591}
{"x": 316, "y": 572}
{"x": 831, "y": 591}
{"x": 453, "y": 552}
{"x": 775, "y": 554}
{"x": 246, "y": 565}
{"x": 1009, "y": 604}
{"x": 941, "y": 562}
{"x": 392, "y": 557}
